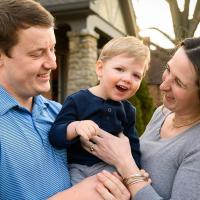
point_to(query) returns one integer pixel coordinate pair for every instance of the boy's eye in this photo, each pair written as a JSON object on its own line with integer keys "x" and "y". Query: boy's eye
{"x": 119, "y": 69}
{"x": 137, "y": 76}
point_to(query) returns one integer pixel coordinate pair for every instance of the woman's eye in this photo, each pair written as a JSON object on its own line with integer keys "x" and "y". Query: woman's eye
{"x": 178, "y": 82}
{"x": 166, "y": 67}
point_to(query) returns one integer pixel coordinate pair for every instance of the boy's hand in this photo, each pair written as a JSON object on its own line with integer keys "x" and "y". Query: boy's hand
{"x": 87, "y": 129}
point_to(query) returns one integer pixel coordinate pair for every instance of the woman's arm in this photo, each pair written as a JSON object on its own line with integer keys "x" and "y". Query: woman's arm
{"x": 116, "y": 151}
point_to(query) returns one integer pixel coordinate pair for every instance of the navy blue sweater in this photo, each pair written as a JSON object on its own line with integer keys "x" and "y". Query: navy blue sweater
{"x": 111, "y": 116}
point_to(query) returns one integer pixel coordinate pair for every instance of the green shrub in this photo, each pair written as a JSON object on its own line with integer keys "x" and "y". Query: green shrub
{"x": 144, "y": 107}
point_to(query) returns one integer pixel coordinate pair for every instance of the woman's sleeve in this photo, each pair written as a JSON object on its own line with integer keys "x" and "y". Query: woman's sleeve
{"x": 186, "y": 181}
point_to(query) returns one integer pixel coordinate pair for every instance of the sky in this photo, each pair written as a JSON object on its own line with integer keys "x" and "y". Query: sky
{"x": 156, "y": 13}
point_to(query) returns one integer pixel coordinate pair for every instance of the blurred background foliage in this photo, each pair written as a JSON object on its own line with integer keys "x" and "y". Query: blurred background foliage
{"x": 144, "y": 107}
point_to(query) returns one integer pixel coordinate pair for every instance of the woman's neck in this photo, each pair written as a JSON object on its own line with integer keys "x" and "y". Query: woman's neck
{"x": 179, "y": 121}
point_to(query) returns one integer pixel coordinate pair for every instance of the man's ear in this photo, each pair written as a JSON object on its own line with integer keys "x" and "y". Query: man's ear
{"x": 1, "y": 58}
{"x": 99, "y": 69}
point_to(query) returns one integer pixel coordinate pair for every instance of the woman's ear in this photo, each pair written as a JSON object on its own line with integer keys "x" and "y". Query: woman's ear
{"x": 99, "y": 69}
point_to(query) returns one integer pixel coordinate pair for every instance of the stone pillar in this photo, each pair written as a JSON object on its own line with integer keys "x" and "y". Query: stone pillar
{"x": 82, "y": 60}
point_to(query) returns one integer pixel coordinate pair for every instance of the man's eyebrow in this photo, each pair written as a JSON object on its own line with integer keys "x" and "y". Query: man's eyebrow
{"x": 37, "y": 49}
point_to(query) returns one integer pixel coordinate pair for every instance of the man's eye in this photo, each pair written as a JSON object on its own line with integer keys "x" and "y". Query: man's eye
{"x": 36, "y": 54}
{"x": 53, "y": 50}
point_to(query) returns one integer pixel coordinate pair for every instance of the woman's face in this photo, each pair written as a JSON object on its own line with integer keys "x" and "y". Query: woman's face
{"x": 180, "y": 91}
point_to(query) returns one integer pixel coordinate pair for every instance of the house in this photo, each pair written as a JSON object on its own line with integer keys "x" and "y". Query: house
{"x": 159, "y": 58}
{"x": 82, "y": 28}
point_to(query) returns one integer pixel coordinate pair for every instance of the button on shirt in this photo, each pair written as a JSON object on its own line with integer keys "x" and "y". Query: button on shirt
{"x": 30, "y": 168}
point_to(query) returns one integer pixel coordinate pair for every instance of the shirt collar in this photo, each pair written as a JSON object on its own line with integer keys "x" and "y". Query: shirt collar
{"x": 40, "y": 101}
{"x": 10, "y": 102}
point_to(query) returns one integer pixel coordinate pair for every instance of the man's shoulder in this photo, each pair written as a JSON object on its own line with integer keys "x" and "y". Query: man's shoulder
{"x": 41, "y": 100}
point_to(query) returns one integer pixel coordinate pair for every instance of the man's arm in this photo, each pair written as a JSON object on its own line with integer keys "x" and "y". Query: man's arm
{"x": 82, "y": 191}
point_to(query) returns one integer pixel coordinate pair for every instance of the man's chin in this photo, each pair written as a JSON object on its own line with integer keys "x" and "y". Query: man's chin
{"x": 45, "y": 91}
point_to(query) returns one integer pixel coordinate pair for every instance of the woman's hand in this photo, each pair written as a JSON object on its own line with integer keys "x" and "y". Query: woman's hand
{"x": 110, "y": 187}
{"x": 111, "y": 149}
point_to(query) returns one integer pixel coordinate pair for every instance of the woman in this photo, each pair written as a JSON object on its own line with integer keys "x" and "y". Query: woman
{"x": 170, "y": 145}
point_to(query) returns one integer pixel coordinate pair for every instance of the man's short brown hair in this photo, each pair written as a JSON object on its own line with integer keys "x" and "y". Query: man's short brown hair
{"x": 20, "y": 14}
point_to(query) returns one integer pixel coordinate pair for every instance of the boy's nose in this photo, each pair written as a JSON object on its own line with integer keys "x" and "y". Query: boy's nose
{"x": 127, "y": 78}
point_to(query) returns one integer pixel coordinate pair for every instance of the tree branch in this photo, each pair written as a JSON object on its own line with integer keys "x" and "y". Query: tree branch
{"x": 176, "y": 18}
{"x": 159, "y": 48}
{"x": 185, "y": 14}
{"x": 163, "y": 33}
{"x": 194, "y": 22}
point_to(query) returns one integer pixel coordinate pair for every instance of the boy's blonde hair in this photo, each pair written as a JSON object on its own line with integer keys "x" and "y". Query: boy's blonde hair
{"x": 128, "y": 45}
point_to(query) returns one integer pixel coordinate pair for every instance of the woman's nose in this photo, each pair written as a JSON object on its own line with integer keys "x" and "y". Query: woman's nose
{"x": 166, "y": 84}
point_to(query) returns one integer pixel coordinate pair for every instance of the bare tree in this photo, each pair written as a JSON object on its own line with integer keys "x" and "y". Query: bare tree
{"x": 182, "y": 25}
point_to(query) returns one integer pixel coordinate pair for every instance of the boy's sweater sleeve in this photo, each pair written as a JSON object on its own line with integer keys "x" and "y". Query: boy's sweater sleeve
{"x": 68, "y": 114}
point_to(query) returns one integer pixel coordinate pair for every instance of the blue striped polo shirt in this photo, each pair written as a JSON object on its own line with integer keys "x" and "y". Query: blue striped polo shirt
{"x": 30, "y": 168}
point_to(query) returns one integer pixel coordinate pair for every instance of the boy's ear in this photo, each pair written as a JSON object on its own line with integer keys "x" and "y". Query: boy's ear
{"x": 99, "y": 68}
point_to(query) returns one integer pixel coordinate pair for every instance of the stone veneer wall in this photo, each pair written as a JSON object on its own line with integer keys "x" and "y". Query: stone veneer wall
{"x": 82, "y": 60}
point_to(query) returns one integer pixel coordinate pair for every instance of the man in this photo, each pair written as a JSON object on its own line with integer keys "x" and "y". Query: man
{"x": 27, "y": 57}
{"x": 30, "y": 168}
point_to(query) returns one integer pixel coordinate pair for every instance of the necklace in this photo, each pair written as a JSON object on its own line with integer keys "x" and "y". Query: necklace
{"x": 179, "y": 124}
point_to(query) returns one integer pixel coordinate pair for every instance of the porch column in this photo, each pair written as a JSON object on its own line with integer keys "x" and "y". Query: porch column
{"x": 82, "y": 59}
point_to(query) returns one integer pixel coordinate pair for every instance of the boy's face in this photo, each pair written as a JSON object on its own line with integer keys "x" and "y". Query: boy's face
{"x": 120, "y": 77}
{"x": 27, "y": 72}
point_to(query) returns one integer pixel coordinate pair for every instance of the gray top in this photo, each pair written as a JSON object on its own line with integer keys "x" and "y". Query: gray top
{"x": 173, "y": 164}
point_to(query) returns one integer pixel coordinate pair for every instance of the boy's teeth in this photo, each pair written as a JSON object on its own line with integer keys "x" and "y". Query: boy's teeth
{"x": 122, "y": 87}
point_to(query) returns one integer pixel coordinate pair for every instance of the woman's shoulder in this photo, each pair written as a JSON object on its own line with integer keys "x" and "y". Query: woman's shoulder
{"x": 159, "y": 113}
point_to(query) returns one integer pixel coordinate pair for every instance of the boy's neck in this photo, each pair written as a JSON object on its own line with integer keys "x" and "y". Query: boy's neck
{"x": 97, "y": 91}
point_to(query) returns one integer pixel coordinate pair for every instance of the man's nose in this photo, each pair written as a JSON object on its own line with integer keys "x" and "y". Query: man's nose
{"x": 50, "y": 61}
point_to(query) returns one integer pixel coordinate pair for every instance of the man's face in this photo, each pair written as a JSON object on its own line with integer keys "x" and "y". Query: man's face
{"x": 27, "y": 72}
